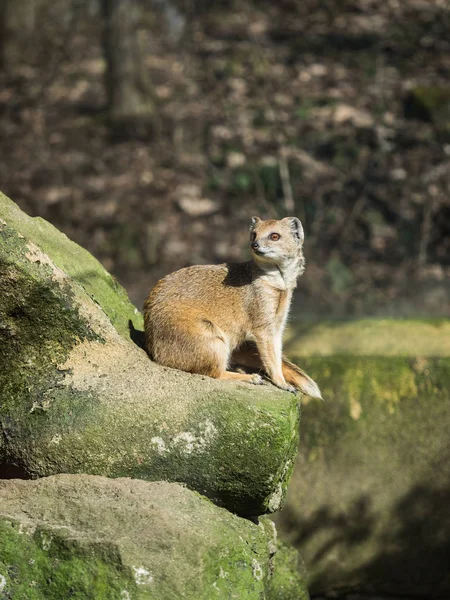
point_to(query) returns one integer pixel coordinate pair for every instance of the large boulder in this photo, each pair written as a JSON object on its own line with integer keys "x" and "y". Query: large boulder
{"x": 88, "y": 537}
{"x": 369, "y": 504}
{"x": 78, "y": 396}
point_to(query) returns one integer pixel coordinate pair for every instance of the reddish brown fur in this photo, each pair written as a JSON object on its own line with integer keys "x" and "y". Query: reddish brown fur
{"x": 203, "y": 318}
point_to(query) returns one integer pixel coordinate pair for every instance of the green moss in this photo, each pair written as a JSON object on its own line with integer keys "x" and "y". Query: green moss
{"x": 77, "y": 263}
{"x": 245, "y": 447}
{"x": 44, "y": 565}
{"x": 241, "y": 570}
{"x": 369, "y": 474}
{"x": 34, "y": 309}
{"x": 289, "y": 577}
{"x": 96, "y": 542}
{"x": 39, "y": 325}
{"x": 365, "y": 384}
{"x": 238, "y": 454}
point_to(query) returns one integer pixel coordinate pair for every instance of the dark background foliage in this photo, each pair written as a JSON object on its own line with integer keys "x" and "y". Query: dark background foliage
{"x": 150, "y": 132}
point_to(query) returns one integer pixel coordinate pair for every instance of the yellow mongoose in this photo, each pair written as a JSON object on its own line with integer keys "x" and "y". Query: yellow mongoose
{"x": 205, "y": 318}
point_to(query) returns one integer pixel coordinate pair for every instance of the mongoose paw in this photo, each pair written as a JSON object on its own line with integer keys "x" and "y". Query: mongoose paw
{"x": 257, "y": 379}
{"x": 288, "y": 388}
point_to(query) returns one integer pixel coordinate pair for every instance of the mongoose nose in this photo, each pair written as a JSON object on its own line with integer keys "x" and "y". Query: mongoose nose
{"x": 255, "y": 245}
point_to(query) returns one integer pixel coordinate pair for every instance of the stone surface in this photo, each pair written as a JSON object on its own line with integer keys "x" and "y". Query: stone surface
{"x": 88, "y": 537}
{"x": 288, "y": 581}
{"x": 78, "y": 396}
{"x": 369, "y": 504}
{"x": 369, "y": 337}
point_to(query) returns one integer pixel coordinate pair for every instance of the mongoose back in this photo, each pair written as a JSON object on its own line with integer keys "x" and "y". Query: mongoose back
{"x": 205, "y": 319}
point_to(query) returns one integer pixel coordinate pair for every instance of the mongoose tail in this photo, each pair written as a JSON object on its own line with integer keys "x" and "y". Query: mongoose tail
{"x": 248, "y": 356}
{"x": 299, "y": 379}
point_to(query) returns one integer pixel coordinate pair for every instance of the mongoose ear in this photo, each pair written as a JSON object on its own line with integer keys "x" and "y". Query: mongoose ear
{"x": 254, "y": 222}
{"x": 296, "y": 228}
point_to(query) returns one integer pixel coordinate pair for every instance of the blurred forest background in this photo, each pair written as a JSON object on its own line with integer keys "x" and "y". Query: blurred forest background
{"x": 150, "y": 131}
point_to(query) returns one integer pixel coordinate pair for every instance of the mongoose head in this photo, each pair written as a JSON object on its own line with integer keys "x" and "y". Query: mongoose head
{"x": 276, "y": 242}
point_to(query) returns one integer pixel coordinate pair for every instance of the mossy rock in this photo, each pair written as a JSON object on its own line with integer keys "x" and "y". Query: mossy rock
{"x": 77, "y": 263}
{"x": 288, "y": 581}
{"x": 369, "y": 337}
{"x": 369, "y": 503}
{"x": 93, "y": 538}
{"x": 78, "y": 396}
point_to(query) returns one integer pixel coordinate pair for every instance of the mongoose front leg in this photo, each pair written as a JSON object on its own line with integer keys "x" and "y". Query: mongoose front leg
{"x": 269, "y": 347}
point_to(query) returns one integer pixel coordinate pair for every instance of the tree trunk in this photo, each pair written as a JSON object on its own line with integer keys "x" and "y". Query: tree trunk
{"x": 2, "y": 33}
{"x": 127, "y": 81}
{"x": 17, "y": 22}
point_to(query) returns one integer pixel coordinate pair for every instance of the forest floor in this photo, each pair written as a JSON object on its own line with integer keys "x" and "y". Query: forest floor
{"x": 336, "y": 111}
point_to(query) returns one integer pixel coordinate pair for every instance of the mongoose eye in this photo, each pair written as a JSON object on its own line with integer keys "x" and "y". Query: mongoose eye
{"x": 274, "y": 237}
